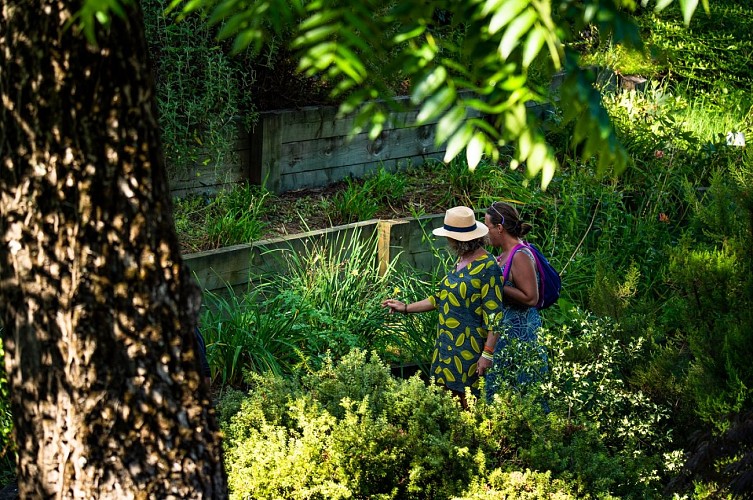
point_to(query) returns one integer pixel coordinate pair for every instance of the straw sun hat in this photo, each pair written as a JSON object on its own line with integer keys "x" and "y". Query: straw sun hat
{"x": 460, "y": 224}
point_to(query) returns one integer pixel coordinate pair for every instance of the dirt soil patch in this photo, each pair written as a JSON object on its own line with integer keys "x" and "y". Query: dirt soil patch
{"x": 310, "y": 209}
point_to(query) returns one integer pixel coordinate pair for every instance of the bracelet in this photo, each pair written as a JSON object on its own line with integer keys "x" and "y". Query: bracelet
{"x": 487, "y": 356}
{"x": 405, "y": 308}
{"x": 488, "y": 349}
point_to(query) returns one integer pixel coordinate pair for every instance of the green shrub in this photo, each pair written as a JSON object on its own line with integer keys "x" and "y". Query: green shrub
{"x": 522, "y": 485}
{"x": 202, "y": 91}
{"x": 588, "y": 384}
{"x": 339, "y": 285}
{"x": 350, "y": 430}
{"x": 403, "y": 450}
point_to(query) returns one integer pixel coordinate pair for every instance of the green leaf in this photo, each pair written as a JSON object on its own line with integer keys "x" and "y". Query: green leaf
{"x": 537, "y": 158}
{"x": 449, "y": 123}
{"x": 408, "y": 35}
{"x": 513, "y": 82}
{"x": 491, "y": 6}
{"x": 515, "y": 119}
{"x": 475, "y": 150}
{"x": 548, "y": 170}
{"x": 505, "y": 14}
{"x": 322, "y": 18}
{"x": 313, "y": 36}
{"x": 458, "y": 141}
{"x": 435, "y": 105}
{"x": 429, "y": 84}
{"x": 244, "y": 39}
{"x": 534, "y": 43}
{"x": 688, "y": 8}
{"x": 525, "y": 144}
{"x": 512, "y": 35}
{"x": 350, "y": 64}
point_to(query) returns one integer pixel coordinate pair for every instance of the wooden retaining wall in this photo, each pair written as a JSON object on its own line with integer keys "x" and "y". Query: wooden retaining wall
{"x": 218, "y": 271}
{"x": 308, "y": 148}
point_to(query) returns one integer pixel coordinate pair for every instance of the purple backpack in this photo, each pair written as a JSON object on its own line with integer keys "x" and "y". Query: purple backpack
{"x": 550, "y": 283}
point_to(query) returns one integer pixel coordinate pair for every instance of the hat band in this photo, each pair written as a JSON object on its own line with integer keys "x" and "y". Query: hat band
{"x": 456, "y": 229}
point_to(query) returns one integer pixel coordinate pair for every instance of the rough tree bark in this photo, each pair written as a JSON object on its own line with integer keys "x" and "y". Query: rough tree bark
{"x": 98, "y": 308}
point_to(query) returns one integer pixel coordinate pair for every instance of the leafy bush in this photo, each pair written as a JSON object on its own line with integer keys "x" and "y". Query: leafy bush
{"x": 201, "y": 90}
{"x": 340, "y": 286}
{"x": 350, "y": 430}
{"x": 325, "y": 301}
{"x": 587, "y": 383}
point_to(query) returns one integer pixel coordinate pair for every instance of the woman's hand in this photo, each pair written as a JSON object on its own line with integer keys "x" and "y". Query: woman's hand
{"x": 483, "y": 365}
{"x": 395, "y": 306}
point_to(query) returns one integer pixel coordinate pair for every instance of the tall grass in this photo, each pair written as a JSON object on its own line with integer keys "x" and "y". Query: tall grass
{"x": 229, "y": 218}
{"x": 252, "y": 332}
{"x": 340, "y": 283}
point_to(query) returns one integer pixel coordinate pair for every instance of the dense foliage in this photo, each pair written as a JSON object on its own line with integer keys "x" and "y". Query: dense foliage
{"x": 646, "y": 388}
{"x": 649, "y": 384}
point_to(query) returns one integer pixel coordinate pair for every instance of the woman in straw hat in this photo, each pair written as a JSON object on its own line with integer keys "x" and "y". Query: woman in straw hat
{"x": 468, "y": 299}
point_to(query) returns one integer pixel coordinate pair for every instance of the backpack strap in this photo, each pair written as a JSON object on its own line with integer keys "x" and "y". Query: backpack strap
{"x": 508, "y": 265}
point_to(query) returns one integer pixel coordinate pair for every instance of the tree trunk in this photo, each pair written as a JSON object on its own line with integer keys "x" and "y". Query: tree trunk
{"x": 98, "y": 307}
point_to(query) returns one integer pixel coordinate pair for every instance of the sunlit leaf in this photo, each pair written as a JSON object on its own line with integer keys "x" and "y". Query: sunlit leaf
{"x": 505, "y": 14}
{"x": 315, "y": 35}
{"x": 534, "y": 43}
{"x": 428, "y": 84}
{"x": 688, "y": 8}
{"x": 491, "y": 6}
{"x": 515, "y": 118}
{"x": 525, "y": 143}
{"x": 514, "y": 32}
{"x": 475, "y": 150}
{"x": 323, "y": 18}
{"x": 375, "y": 130}
{"x": 435, "y": 105}
{"x": 449, "y": 123}
{"x": 513, "y": 82}
{"x": 414, "y": 33}
{"x": 457, "y": 142}
{"x": 536, "y": 159}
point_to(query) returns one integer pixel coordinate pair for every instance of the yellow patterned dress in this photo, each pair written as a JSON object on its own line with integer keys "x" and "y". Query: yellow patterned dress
{"x": 468, "y": 301}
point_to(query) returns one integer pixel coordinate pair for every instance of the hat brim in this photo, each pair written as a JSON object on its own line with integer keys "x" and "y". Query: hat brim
{"x": 480, "y": 231}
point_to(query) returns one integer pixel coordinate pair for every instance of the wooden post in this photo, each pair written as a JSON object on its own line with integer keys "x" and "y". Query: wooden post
{"x": 383, "y": 245}
{"x": 264, "y": 157}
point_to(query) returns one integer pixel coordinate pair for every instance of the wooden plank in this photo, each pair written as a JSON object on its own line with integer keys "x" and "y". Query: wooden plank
{"x": 325, "y": 177}
{"x": 320, "y": 122}
{"x": 206, "y": 179}
{"x": 304, "y": 156}
{"x": 232, "y": 266}
{"x": 328, "y": 126}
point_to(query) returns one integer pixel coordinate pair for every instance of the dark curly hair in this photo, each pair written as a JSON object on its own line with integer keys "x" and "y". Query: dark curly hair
{"x": 461, "y": 248}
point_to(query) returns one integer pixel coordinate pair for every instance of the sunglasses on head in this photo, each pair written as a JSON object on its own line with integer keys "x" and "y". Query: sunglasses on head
{"x": 492, "y": 207}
